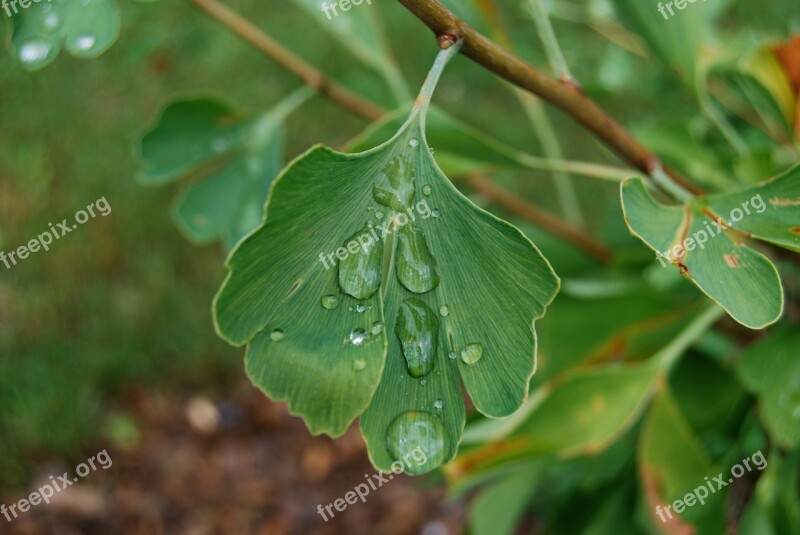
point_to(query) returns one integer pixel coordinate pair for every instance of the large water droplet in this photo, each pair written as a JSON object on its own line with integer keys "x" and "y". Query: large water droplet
{"x": 359, "y": 364}
{"x": 277, "y": 335}
{"x": 357, "y": 337}
{"x": 330, "y": 302}
{"x": 416, "y": 267}
{"x": 85, "y": 42}
{"x": 394, "y": 186}
{"x": 360, "y": 271}
{"x": 472, "y": 353}
{"x": 417, "y": 328}
{"x": 418, "y": 440}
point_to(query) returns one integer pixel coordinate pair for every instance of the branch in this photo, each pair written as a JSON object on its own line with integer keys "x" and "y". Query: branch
{"x": 563, "y": 95}
{"x": 294, "y": 64}
{"x": 487, "y": 189}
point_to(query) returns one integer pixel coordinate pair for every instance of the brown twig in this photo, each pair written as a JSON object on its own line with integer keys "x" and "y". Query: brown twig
{"x": 294, "y": 64}
{"x": 563, "y": 95}
{"x": 514, "y": 204}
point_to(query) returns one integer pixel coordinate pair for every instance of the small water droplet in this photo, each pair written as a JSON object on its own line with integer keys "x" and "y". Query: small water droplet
{"x": 438, "y": 403}
{"x": 277, "y": 335}
{"x": 426, "y": 190}
{"x": 416, "y": 432}
{"x": 377, "y": 327}
{"x": 85, "y": 42}
{"x": 357, "y": 336}
{"x": 444, "y": 310}
{"x": 472, "y": 353}
{"x": 423, "y": 382}
{"x": 430, "y": 149}
{"x": 360, "y": 308}
{"x": 435, "y": 213}
{"x": 379, "y": 215}
{"x": 453, "y": 355}
{"x": 359, "y": 364}
{"x": 330, "y": 302}
{"x": 413, "y": 142}
{"x": 52, "y": 21}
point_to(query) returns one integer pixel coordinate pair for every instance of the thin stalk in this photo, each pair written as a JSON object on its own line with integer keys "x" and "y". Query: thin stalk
{"x": 553, "y": 51}
{"x": 291, "y": 62}
{"x": 565, "y": 96}
{"x": 719, "y": 120}
{"x": 669, "y": 355}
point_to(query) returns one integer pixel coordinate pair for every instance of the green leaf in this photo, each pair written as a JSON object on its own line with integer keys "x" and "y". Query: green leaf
{"x": 771, "y": 369}
{"x": 359, "y": 30}
{"x": 498, "y": 509}
{"x": 675, "y": 38}
{"x": 86, "y": 29}
{"x": 334, "y": 355}
{"x": 237, "y": 157}
{"x": 589, "y": 410}
{"x": 671, "y": 464}
{"x": 742, "y": 280}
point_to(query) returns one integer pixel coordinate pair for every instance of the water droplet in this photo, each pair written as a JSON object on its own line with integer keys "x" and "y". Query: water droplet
{"x": 359, "y": 364}
{"x": 417, "y": 328}
{"x": 357, "y": 336}
{"x": 416, "y": 267}
{"x": 423, "y": 382}
{"x": 377, "y": 327}
{"x": 453, "y": 355}
{"x": 418, "y": 436}
{"x": 34, "y": 52}
{"x": 360, "y": 272}
{"x": 472, "y": 353}
{"x": 330, "y": 302}
{"x": 52, "y": 21}
{"x": 430, "y": 149}
{"x": 360, "y": 308}
{"x": 413, "y": 142}
{"x": 277, "y": 335}
{"x": 444, "y": 310}
{"x": 438, "y": 404}
{"x": 426, "y": 190}
{"x": 85, "y": 42}
{"x": 435, "y": 213}
{"x": 394, "y": 186}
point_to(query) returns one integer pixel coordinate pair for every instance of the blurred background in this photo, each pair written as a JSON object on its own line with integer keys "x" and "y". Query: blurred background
{"x": 106, "y": 341}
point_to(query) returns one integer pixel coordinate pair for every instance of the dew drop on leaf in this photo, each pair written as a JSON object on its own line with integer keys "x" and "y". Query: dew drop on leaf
{"x": 357, "y": 336}
{"x": 472, "y": 353}
{"x": 394, "y": 187}
{"x": 85, "y": 42}
{"x": 426, "y": 190}
{"x": 277, "y": 335}
{"x": 360, "y": 308}
{"x": 330, "y": 302}
{"x": 416, "y": 267}
{"x": 360, "y": 273}
{"x": 413, "y": 142}
{"x": 33, "y": 52}
{"x": 417, "y": 328}
{"x": 444, "y": 310}
{"x": 453, "y": 355}
{"x": 377, "y": 327}
{"x": 435, "y": 213}
{"x": 359, "y": 364}
{"x": 419, "y": 440}
{"x": 438, "y": 404}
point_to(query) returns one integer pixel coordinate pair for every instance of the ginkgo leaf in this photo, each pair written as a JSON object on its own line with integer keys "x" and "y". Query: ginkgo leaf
{"x": 457, "y": 294}
{"x": 742, "y": 280}
{"x": 239, "y": 157}
{"x": 86, "y": 29}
